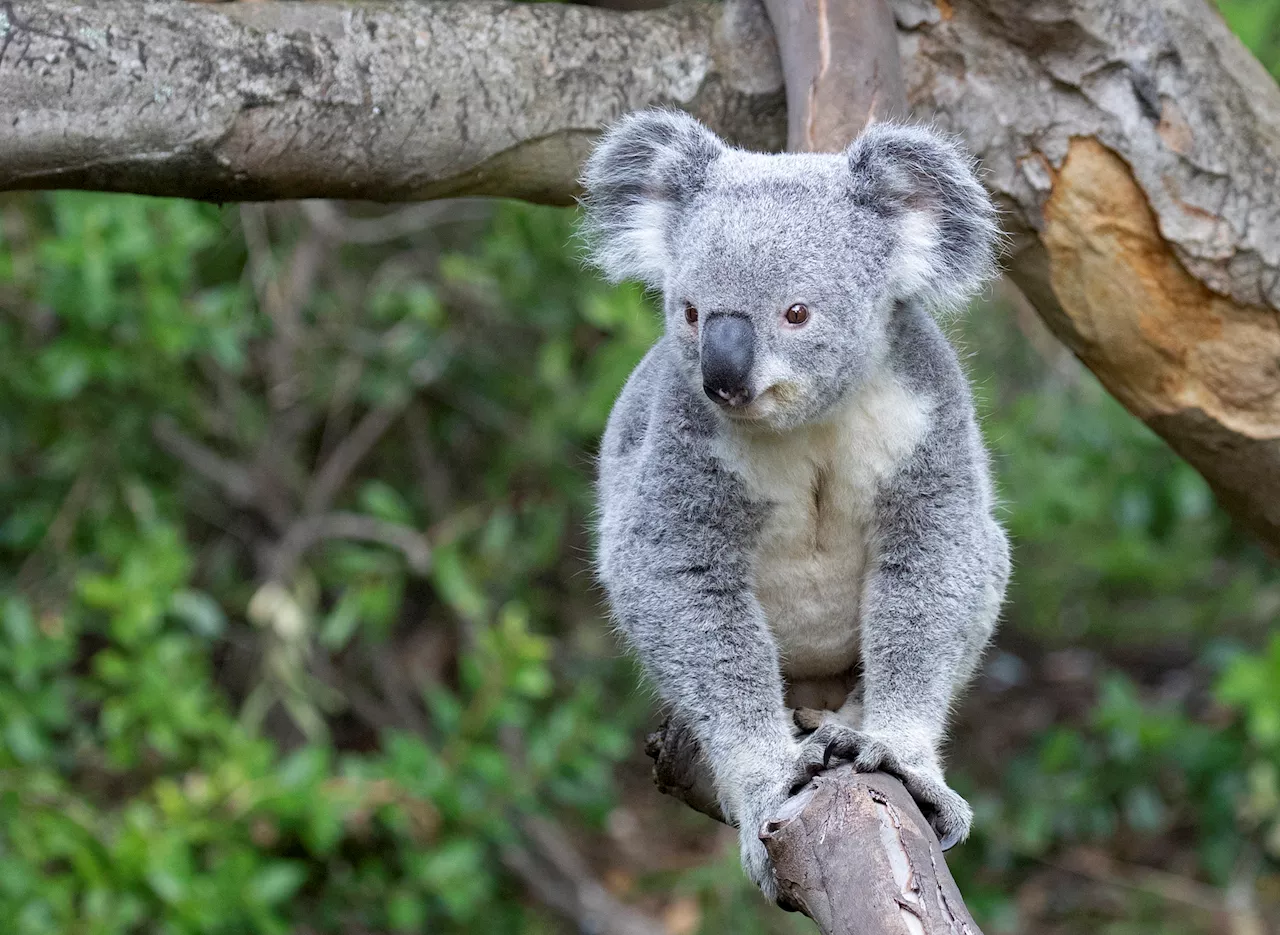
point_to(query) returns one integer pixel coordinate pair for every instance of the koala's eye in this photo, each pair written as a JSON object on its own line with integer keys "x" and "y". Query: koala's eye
{"x": 690, "y": 314}
{"x": 797, "y": 314}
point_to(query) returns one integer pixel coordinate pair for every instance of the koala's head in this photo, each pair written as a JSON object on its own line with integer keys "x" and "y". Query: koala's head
{"x": 779, "y": 272}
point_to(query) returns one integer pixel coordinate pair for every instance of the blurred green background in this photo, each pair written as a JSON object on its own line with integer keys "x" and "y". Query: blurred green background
{"x": 298, "y": 630}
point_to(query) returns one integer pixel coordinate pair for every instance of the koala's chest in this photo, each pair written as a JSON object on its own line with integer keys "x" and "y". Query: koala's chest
{"x": 823, "y": 482}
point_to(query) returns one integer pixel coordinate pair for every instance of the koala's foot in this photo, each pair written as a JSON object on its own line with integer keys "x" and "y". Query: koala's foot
{"x": 807, "y": 720}
{"x": 757, "y": 803}
{"x": 948, "y": 813}
{"x": 755, "y": 859}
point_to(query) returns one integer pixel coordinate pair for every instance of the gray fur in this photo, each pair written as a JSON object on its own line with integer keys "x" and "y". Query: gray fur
{"x": 844, "y": 516}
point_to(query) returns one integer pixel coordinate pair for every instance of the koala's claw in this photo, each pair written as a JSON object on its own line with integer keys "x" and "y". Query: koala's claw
{"x": 947, "y": 813}
{"x": 948, "y": 842}
{"x": 806, "y": 767}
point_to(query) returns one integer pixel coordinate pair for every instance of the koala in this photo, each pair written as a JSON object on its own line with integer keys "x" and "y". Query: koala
{"x": 792, "y": 487}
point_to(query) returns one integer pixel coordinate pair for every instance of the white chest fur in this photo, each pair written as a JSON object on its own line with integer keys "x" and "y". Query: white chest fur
{"x": 823, "y": 480}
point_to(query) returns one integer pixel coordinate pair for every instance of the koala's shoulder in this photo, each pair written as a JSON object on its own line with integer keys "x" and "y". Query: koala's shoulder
{"x": 923, "y": 358}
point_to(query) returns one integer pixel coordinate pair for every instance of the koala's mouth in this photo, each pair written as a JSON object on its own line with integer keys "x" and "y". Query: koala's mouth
{"x": 767, "y": 403}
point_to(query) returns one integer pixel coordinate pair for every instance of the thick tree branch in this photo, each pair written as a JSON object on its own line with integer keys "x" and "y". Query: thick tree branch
{"x": 389, "y": 102}
{"x": 1135, "y": 145}
{"x": 832, "y": 91}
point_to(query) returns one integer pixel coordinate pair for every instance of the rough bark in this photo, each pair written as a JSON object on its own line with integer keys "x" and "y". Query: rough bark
{"x": 851, "y": 850}
{"x": 1134, "y": 144}
{"x": 380, "y": 101}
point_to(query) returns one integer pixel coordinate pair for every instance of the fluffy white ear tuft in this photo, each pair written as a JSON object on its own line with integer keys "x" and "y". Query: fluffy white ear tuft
{"x": 643, "y": 172}
{"x": 945, "y": 221}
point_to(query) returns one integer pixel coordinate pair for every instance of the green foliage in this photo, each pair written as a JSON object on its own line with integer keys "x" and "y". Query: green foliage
{"x": 132, "y": 796}
{"x": 1116, "y": 538}
{"x": 193, "y": 740}
{"x": 155, "y": 778}
{"x": 1257, "y": 23}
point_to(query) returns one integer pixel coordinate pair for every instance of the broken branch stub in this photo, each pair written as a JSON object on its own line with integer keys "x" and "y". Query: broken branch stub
{"x": 850, "y": 850}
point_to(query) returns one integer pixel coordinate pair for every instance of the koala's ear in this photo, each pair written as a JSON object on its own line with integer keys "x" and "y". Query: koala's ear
{"x": 946, "y": 223}
{"x": 643, "y": 172}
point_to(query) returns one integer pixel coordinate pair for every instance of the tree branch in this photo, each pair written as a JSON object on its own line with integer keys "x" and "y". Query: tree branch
{"x": 832, "y": 94}
{"x": 1135, "y": 147}
{"x": 312, "y": 530}
{"x": 850, "y": 850}
{"x": 389, "y": 102}
{"x": 560, "y": 878}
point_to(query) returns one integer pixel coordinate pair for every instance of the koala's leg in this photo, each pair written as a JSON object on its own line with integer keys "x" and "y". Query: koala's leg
{"x": 988, "y": 612}
{"x": 835, "y": 700}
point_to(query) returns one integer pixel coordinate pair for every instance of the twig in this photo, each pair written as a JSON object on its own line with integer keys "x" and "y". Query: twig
{"x": 346, "y": 457}
{"x": 285, "y": 321}
{"x": 392, "y": 681}
{"x": 233, "y": 478}
{"x": 337, "y": 420}
{"x": 1240, "y": 902}
{"x": 402, "y": 223}
{"x": 368, "y": 708}
{"x": 433, "y": 477}
{"x": 1234, "y": 905}
{"x": 309, "y": 531}
{"x": 60, "y": 530}
{"x": 1101, "y": 868}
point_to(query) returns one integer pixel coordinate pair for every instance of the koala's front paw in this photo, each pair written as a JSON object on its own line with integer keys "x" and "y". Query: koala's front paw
{"x": 948, "y": 813}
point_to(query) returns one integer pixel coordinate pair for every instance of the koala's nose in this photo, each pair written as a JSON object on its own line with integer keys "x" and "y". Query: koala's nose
{"x": 728, "y": 349}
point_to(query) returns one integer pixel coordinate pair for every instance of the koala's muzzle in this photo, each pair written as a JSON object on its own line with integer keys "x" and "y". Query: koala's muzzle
{"x": 728, "y": 350}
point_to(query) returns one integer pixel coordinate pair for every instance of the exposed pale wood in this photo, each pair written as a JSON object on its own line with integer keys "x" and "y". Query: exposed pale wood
{"x": 832, "y": 90}
{"x": 1135, "y": 147}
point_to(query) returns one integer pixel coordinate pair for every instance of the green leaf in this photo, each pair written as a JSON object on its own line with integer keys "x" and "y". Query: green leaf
{"x": 277, "y": 881}
{"x": 199, "y": 611}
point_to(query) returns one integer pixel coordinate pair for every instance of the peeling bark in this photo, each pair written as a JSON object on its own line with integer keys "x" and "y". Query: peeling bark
{"x": 831, "y": 91}
{"x": 1135, "y": 148}
{"x": 881, "y": 870}
{"x": 1201, "y": 369}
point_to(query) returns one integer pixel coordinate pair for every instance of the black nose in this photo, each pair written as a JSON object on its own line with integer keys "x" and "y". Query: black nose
{"x": 728, "y": 348}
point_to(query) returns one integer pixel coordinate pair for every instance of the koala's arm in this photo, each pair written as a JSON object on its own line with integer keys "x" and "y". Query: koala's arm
{"x": 940, "y": 563}
{"x": 676, "y": 537}
{"x": 937, "y": 572}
